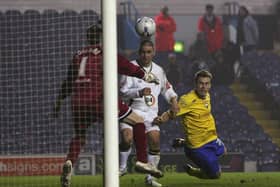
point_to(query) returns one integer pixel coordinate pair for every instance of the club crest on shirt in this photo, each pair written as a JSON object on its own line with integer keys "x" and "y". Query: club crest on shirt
{"x": 149, "y": 100}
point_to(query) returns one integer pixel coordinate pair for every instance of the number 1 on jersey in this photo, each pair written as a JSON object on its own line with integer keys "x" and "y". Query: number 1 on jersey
{"x": 82, "y": 68}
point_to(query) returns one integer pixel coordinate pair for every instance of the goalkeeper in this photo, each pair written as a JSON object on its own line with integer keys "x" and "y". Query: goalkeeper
{"x": 201, "y": 142}
{"x": 84, "y": 83}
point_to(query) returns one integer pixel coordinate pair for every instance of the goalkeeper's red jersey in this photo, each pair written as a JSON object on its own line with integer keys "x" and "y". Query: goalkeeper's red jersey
{"x": 87, "y": 75}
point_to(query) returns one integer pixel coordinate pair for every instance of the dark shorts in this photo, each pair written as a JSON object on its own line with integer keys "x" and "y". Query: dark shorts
{"x": 124, "y": 110}
{"x": 85, "y": 115}
{"x": 207, "y": 156}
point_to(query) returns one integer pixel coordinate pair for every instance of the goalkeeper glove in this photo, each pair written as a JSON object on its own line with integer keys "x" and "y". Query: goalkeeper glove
{"x": 151, "y": 78}
{"x": 178, "y": 142}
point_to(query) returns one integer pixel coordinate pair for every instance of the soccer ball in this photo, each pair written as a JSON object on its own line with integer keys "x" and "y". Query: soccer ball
{"x": 145, "y": 26}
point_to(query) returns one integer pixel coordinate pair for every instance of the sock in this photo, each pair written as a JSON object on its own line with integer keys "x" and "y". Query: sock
{"x": 74, "y": 149}
{"x": 124, "y": 157}
{"x": 153, "y": 159}
{"x": 140, "y": 140}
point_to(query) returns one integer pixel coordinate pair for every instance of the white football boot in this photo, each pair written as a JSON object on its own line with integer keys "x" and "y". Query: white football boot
{"x": 65, "y": 178}
{"x": 148, "y": 168}
{"x": 122, "y": 171}
{"x": 150, "y": 181}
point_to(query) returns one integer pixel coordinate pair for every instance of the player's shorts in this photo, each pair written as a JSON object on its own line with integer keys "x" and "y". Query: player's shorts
{"x": 124, "y": 110}
{"x": 84, "y": 116}
{"x": 148, "y": 119}
{"x": 206, "y": 157}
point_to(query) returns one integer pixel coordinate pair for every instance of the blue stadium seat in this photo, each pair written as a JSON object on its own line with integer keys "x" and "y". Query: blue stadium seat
{"x": 87, "y": 14}
{"x": 267, "y": 146}
{"x": 32, "y": 15}
{"x": 50, "y": 14}
{"x": 269, "y": 161}
{"x": 13, "y": 15}
{"x": 269, "y": 167}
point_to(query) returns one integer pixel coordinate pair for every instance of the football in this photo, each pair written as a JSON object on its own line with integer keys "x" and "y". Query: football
{"x": 145, "y": 26}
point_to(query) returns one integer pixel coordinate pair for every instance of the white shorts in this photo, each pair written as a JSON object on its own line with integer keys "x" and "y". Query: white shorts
{"x": 148, "y": 119}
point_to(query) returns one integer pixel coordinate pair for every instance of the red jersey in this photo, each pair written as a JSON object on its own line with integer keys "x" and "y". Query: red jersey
{"x": 86, "y": 75}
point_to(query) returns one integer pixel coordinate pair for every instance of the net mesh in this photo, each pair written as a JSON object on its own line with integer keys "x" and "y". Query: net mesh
{"x": 36, "y": 49}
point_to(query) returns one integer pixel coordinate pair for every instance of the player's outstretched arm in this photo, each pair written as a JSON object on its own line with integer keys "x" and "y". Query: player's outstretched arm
{"x": 164, "y": 117}
{"x": 129, "y": 69}
{"x": 61, "y": 96}
{"x": 65, "y": 90}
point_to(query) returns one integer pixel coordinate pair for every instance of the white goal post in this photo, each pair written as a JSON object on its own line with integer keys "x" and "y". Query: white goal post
{"x": 111, "y": 151}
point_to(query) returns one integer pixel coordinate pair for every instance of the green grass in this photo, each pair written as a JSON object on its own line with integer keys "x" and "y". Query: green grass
{"x": 267, "y": 179}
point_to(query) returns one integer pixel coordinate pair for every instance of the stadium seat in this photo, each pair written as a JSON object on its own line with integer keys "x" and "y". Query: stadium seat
{"x": 50, "y": 14}
{"x": 267, "y": 146}
{"x": 269, "y": 167}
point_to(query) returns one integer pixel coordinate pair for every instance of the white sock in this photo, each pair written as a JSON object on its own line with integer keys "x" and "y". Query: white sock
{"x": 153, "y": 159}
{"x": 123, "y": 158}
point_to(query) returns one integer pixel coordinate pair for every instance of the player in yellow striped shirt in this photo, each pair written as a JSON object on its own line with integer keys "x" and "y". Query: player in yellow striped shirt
{"x": 201, "y": 142}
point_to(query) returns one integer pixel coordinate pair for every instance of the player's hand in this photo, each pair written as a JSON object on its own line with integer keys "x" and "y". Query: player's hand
{"x": 165, "y": 116}
{"x": 157, "y": 121}
{"x": 174, "y": 109}
{"x": 178, "y": 142}
{"x": 145, "y": 91}
{"x": 151, "y": 78}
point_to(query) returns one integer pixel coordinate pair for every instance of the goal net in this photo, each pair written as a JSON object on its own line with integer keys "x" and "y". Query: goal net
{"x": 36, "y": 50}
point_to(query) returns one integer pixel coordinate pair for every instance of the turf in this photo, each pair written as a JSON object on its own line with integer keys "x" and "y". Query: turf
{"x": 267, "y": 179}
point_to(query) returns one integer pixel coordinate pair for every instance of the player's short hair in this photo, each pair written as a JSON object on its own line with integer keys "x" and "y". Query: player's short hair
{"x": 94, "y": 33}
{"x": 202, "y": 73}
{"x": 145, "y": 42}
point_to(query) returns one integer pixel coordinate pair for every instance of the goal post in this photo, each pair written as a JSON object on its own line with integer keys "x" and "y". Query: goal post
{"x": 111, "y": 177}
{"x": 37, "y": 47}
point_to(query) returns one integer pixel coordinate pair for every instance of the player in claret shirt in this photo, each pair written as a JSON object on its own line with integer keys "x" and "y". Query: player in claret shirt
{"x": 84, "y": 83}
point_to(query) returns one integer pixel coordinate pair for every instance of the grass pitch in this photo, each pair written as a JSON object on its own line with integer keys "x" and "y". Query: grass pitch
{"x": 267, "y": 179}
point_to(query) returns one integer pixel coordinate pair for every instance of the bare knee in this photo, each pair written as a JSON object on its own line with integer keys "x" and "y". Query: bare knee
{"x": 154, "y": 142}
{"x": 126, "y": 139}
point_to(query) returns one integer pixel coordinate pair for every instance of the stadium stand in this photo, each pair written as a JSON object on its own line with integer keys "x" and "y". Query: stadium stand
{"x": 35, "y": 51}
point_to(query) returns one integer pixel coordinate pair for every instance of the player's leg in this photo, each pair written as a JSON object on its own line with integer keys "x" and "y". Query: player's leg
{"x": 127, "y": 116}
{"x": 196, "y": 157}
{"x": 206, "y": 158}
{"x": 125, "y": 146}
{"x": 137, "y": 122}
{"x": 153, "y": 154}
{"x": 212, "y": 167}
{"x": 81, "y": 117}
{"x": 154, "y": 147}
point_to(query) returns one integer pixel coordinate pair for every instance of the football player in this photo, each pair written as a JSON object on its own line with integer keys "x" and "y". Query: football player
{"x": 201, "y": 142}
{"x": 84, "y": 83}
{"x": 143, "y": 99}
